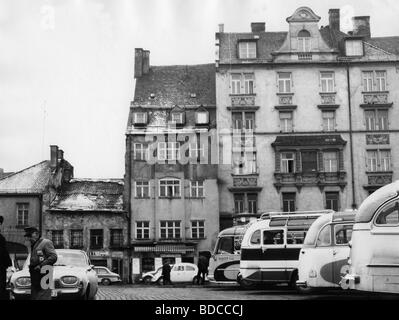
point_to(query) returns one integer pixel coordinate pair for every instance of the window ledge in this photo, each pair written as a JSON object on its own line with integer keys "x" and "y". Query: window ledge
{"x": 375, "y": 92}
{"x": 170, "y": 198}
{"x": 285, "y": 94}
{"x": 325, "y": 93}
{"x": 196, "y": 198}
{"x": 143, "y": 198}
{"x": 242, "y": 94}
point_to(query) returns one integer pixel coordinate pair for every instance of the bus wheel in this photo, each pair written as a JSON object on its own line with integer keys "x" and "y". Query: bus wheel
{"x": 293, "y": 280}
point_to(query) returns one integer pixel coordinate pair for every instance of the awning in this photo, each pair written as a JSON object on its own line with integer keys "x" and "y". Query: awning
{"x": 164, "y": 248}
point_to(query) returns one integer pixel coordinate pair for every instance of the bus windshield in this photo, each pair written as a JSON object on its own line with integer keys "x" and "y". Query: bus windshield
{"x": 227, "y": 245}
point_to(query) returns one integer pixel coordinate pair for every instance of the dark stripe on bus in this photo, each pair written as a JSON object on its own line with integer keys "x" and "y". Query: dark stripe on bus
{"x": 270, "y": 254}
{"x": 219, "y": 271}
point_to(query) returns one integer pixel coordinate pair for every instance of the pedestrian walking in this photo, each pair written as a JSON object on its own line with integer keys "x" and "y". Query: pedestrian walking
{"x": 203, "y": 264}
{"x": 42, "y": 254}
{"x": 5, "y": 262}
{"x": 166, "y": 273}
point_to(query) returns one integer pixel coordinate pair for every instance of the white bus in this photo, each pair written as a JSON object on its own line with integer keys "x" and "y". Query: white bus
{"x": 270, "y": 247}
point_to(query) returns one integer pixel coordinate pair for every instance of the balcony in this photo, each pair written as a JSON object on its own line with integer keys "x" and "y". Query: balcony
{"x": 377, "y": 139}
{"x": 245, "y": 182}
{"x": 305, "y": 56}
{"x": 244, "y": 100}
{"x": 379, "y": 179}
{"x": 376, "y": 99}
{"x": 328, "y": 98}
{"x": 285, "y": 99}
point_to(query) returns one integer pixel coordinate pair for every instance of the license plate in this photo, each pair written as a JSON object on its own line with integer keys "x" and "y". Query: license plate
{"x": 54, "y": 293}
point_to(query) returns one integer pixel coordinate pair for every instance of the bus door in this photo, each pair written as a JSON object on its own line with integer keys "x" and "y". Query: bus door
{"x": 273, "y": 262}
{"x": 295, "y": 238}
{"x": 324, "y": 252}
{"x": 226, "y": 261}
{"x": 342, "y": 235}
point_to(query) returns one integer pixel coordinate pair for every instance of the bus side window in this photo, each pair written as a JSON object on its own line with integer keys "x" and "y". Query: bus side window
{"x": 273, "y": 237}
{"x": 343, "y": 233}
{"x": 226, "y": 245}
{"x": 324, "y": 238}
{"x": 295, "y": 236}
{"x": 389, "y": 215}
{"x": 255, "y": 238}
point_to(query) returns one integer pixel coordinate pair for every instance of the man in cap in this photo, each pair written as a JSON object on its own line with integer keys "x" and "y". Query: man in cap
{"x": 42, "y": 254}
{"x": 5, "y": 262}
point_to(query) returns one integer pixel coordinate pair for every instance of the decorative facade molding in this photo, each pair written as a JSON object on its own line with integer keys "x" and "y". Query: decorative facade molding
{"x": 243, "y": 100}
{"x": 377, "y": 139}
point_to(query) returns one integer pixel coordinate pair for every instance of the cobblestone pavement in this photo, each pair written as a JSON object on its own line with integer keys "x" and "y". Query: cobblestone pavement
{"x": 154, "y": 292}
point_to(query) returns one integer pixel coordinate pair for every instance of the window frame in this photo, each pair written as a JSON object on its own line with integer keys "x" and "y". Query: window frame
{"x": 196, "y": 225}
{"x": 284, "y": 82}
{"x": 335, "y": 233}
{"x": 167, "y": 185}
{"x": 142, "y": 229}
{"x": 173, "y": 227}
{"x": 91, "y": 239}
{"x": 329, "y": 123}
{"x": 286, "y": 124}
{"x": 283, "y": 160}
{"x": 73, "y": 235}
{"x": 168, "y": 151}
{"x": 140, "y": 152}
{"x": 329, "y": 160}
{"x": 247, "y": 163}
{"x": 195, "y": 185}
{"x": 112, "y": 242}
{"x": 24, "y": 213}
{"x": 329, "y": 82}
{"x": 57, "y": 237}
{"x": 378, "y": 160}
{"x": 136, "y": 116}
{"x": 353, "y": 49}
{"x": 393, "y": 202}
{"x": 247, "y": 53}
{"x": 142, "y": 186}
{"x": 290, "y": 201}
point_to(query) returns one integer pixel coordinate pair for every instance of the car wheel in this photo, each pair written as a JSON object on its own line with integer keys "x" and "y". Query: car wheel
{"x": 195, "y": 280}
{"x": 105, "y": 282}
{"x": 147, "y": 280}
{"x": 160, "y": 281}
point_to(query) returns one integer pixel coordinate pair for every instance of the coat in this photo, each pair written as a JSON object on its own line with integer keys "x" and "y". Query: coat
{"x": 5, "y": 260}
{"x": 42, "y": 254}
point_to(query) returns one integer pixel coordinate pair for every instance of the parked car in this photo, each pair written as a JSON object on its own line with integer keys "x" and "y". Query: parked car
{"x": 73, "y": 276}
{"x": 180, "y": 272}
{"x": 106, "y": 276}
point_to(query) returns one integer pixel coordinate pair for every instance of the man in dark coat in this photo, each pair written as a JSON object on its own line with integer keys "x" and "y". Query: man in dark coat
{"x": 202, "y": 269}
{"x": 5, "y": 262}
{"x": 42, "y": 254}
{"x": 166, "y": 273}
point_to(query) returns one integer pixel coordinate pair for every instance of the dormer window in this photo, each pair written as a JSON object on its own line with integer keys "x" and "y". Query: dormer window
{"x": 247, "y": 49}
{"x": 177, "y": 117}
{"x": 140, "y": 118}
{"x": 304, "y": 41}
{"x": 354, "y": 47}
{"x": 202, "y": 117}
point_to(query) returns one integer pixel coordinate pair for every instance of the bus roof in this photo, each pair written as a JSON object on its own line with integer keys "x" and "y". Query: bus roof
{"x": 236, "y": 230}
{"x": 267, "y": 215}
{"x": 371, "y": 204}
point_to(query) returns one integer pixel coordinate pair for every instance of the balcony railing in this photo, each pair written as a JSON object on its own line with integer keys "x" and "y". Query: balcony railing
{"x": 243, "y": 100}
{"x": 375, "y": 98}
{"x": 316, "y": 178}
{"x": 305, "y": 56}
{"x": 379, "y": 178}
{"x": 285, "y": 99}
{"x": 327, "y": 98}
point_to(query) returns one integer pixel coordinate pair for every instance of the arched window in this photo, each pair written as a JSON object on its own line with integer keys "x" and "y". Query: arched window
{"x": 304, "y": 41}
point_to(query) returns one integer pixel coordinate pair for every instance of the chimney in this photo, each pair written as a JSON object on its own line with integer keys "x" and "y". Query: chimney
{"x": 53, "y": 157}
{"x": 334, "y": 19}
{"x": 146, "y": 61}
{"x": 221, "y": 28}
{"x": 138, "y": 62}
{"x": 258, "y": 26}
{"x": 361, "y": 26}
{"x": 60, "y": 155}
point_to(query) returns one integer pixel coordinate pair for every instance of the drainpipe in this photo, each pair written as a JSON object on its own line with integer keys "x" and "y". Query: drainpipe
{"x": 354, "y": 205}
{"x": 41, "y": 214}
{"x": 129, "y": 211}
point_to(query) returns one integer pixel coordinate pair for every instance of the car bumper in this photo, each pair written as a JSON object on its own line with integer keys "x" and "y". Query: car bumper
{"x": 302, "y": 284}
{"x": 73, "y": 293}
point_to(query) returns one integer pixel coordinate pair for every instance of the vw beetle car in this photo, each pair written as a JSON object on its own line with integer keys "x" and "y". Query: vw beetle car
{"x": 180, "y": 272}
{"x": 73, "y": 276}
{"x": 106, "y": 277}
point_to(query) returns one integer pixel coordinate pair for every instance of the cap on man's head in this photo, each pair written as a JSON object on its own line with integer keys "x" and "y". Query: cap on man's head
{"x": 29, "y": 231}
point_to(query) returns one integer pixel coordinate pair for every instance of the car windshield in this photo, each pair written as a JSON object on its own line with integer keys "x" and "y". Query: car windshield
{"x": 64, "y": 258}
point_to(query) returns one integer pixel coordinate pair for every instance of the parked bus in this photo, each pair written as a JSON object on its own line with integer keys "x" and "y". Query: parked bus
{"x": 224, "y": 263}
{"x": 270, "y": 247}
{"x": 374, "y": 255}
{"x": 323, "y": 260}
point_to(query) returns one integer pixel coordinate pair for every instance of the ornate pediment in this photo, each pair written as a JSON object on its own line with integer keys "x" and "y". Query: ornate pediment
{"x": 304, "y": 14}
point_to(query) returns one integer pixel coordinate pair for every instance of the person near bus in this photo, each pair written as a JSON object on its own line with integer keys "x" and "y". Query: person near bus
{"x": 5, "y": 262}
{"x": 166, "y": 273}
{"x": 202, "y": 269}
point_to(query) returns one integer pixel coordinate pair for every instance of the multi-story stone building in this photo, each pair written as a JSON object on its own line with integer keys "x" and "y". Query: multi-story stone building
{"x": 171, "y": 186}
{"x": 88, "y": 214}
{"x": 305, "y": 116}
{"x": 26, "y": 194}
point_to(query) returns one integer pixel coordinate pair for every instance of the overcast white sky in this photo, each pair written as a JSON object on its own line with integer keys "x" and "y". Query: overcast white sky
{"x": 66, "y": 66}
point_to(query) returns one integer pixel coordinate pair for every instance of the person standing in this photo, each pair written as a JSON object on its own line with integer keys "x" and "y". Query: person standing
{"x": 5, "y": 262}
{"x": 202, "y": 269}
{"x": 42, "y": 254}
{"x": 166, "y": 273}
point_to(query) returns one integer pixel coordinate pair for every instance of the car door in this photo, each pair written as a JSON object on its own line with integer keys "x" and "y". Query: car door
{"x": 273, "y": 264}
{"x": 176, "y": 273}
{"x": 342, "y": 236}
{"x": 323, "y": 258}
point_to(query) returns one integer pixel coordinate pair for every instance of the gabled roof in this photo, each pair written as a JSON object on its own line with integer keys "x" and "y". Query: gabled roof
{"x": 90, "y": 196}
{"x": 30, "y": 180}
{"x": 173, "y": 85}
{"x": 389, "y": 44}
{"x": 268, "y": 42}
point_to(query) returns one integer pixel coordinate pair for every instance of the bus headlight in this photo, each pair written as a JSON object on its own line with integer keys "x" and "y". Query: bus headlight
{"x": 312, "y": 274}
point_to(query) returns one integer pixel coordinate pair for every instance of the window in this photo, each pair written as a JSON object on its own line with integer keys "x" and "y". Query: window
{"x": 140, "y": 118}
{"x": 330, "y": 161}
{"x": 389, "y": 215}
{"x": 343, "y": 233}
{"x": 96, "y": 238}
{"x": 284, "y": 82}
{"x": 168, "y": 151}
{"x": 252, "y": 202}
{"x": 198, "y": 229}
{"x": 286, "y": 123}
{"x": 381, "y": 80}
{"x": 289, "y": 200}
{"x": 287, "y": 162}
{"x": 197, "y": 151}
{"x": 378, "y": 160}
{"x": 324, "y": 238}
{"x": 376, "y": 120}
{"x": 354, "y": 47}
{"x": 247, "y": 49}
{"x": 236, "y": 83}
{"x": 169, "y": 188}
{"x": 296, "y": 235}
{"x": 239, "y": 202}
{"x": 177, "y": 117}
{"x": 142, "y": 189}
{"x": 272, "y": 237}
{"x": 139, "y": 152}
{"x": 116, "y": 238}
{"x": 255, "y": 238}
{"x": 225, "y": 245}
{"x": 368, "y": 81}
{"x": 197, "y": 189}
{"x": 170, "y": 229}
{"x": 76, "y": 239}
{"x": 249, "y": 82}
{"x": 328, "y": 120}
{"x": 374, "y": 81}
{"x": 202, "y": 117}
{"x": 304, "y": 41}
{"x": 327, "y": 81}
{"x": 142, "y": 230}
{"x": 22, "y": 214}
{"x": 243, "y": 120}
{"x": 244, "y": 162}
{"x": 332, "y": 201}
{"x": 57, "y": 236}
{"x": 309, "y": 161}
